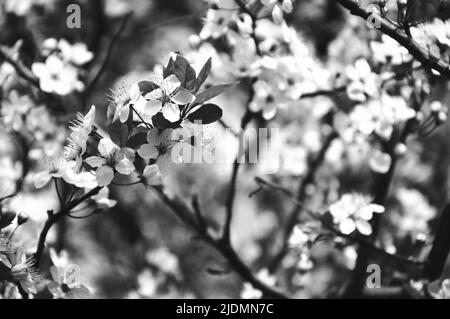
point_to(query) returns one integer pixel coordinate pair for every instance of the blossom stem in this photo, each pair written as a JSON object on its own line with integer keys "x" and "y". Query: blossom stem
{"x": 53, "y": 218}
{"x": 140, "y": 117}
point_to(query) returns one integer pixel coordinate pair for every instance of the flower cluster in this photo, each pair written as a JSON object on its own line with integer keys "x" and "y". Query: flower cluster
{"x": 60, "y": 71}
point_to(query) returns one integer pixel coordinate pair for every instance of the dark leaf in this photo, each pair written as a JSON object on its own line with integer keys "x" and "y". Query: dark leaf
{"x": 203, "y": 75}
{"x": 137, "y": 140}
{"x": 6, "y": 219}
{"x": 185, "y": 73}
{"x": 147, "y": 86}
{"x": 211, "y": 92}
{"x": 207, "y": 113}
{"x": 161, "y": 122}
{"x": 168, "y": 70}
{"x": 118, "y": 133}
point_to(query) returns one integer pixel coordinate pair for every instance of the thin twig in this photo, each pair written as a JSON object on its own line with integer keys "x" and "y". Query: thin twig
{"x": 184, "y": 213}
{"x": 54, "y": 218}
{"x": 108, "y": 55}
{"x": 301, "y": 193}
{"x": 20, "y": 68}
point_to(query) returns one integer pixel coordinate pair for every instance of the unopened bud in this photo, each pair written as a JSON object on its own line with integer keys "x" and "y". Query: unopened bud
{"x": 22, "y": 218}
{"x": 401, "y": 149}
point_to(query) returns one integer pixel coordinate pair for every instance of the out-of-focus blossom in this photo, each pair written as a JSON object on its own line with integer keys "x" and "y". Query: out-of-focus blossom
{"x": 389, "y": 51}
{"x": 440, "y": 289}
{"x": 353, "y": 212}
{"x": 57, "y": 168}
{"x": 14, "y": 110}
{"x": 102, "y": 200}
{"x": 57, "y": 77}
{"x": 277, "y": 8}
{"x": 380, "y": 162}
{"x": 417, "y": 211}
{"x": 164, "y": 260}
{"x": 249, "y": 292}
{"x": 363, "y": 81}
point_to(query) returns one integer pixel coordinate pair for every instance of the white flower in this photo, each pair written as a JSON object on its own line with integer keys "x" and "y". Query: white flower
{"x": 112, "y": 158}
{"x": 126, "y": 97}
{"x": 216, "y": 23}
{"x": 363, "y": 81}
{"x": 266, "y": 99}
{"x": 380, "y": 162}
{"x": 76, "y": 53}
{"x": 353, "y": 212}
{"x": 151, "y": 175}
{"x": 24, "y": 272}
{"x": 249, "y": 292}
{"x": 102, "y": 199}
{"x": 57, "y": 77}
{"x": 14, "y": 109}
{"x": 77, "y": 142}
{"x": 158, "y": 149}
{"x": 169, "y": 95}
{"x": 57, "y": 168}
{"x": 389, "y": 50}
{"x": 298, "y": 238}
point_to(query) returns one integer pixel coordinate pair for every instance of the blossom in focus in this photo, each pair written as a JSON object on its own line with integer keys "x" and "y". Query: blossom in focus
{"x": 77, "y": 142}
{"x": 353, "y": 212}
{"x": 168, "y": 95}
{"x": 111, "y": 158}
{"x": 25, "y": 273}
{"x": 158, "y": 149}
{"x": 65, "y": 283}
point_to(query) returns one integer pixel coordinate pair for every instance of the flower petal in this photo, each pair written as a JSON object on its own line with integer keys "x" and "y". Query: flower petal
{"x": 124, "y": 166}
{"x": 41, "y": 179}
{"x": 363, "y": 227}
{"x": 147, "y": 151}
{"x": 171, "y": 112}
{"x": 183, "y": 97}
{"x": 95, "y": 161}
{"x": 347, "y": 226}
{"x": 104, "y": 175}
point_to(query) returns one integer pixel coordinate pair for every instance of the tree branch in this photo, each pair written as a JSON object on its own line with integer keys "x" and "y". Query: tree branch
{"x": 184, "y": 213}
{"x": 422, "y": 55}
{"x": 54, "y": 218}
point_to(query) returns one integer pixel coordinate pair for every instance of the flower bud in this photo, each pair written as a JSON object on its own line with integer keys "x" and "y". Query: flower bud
{"x": 19, "y": 272}
{"x": 22, "y": 218}
{"x": 400, "y": 149}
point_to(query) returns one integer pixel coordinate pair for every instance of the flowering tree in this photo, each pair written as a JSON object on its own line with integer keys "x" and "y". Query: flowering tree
{"x": 341, "y": 185}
